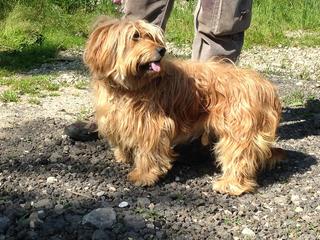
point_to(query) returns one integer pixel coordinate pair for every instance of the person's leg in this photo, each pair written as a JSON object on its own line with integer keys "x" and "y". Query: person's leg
{"x": 219, "y": 28}
{"x": 153, "y": 11}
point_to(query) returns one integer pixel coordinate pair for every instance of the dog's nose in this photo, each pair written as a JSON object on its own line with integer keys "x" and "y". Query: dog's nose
{"x": 161, "y": 51}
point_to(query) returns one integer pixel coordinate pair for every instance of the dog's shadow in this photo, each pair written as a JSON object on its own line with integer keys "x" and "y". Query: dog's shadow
{"x": 196, "y": 161}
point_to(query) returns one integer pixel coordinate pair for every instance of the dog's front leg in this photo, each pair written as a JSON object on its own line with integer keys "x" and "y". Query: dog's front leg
{"x": 122, "y": 155}
{"x": 149, "y": 166}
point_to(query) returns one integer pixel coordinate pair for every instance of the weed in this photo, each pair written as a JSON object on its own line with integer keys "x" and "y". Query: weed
{"x": 34, "y": 100}
{"x": 82, "y": 84}
{"x": 84, "y": 113}
{"x": 295, "y": 99}
{"x": 148, "y": 213}
{"x": 9, "y": 96}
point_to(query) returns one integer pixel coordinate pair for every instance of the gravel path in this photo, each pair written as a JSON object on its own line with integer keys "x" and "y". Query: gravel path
{"x": 54, "y": 188}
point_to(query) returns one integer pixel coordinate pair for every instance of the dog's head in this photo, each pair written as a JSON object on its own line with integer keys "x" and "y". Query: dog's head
{"x": 126, "y": 52}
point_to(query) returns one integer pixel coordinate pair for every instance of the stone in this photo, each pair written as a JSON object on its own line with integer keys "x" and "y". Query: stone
{"x": 281, "y": 200}
{"x": 248, "y": 232}
{"x": 295, "y": 199}
{"x": 101, "y": 218}
{"x": 51, "y": 180}
{"x": 55, "y": 157}
{"x": 143, "y": 202}
{"x": 123, "y": 204}
{"x": 4, "y": 224}
{"x": 134, "y": 222}
{"x": 43, "y": 203}
{"x": 102, "y": 235}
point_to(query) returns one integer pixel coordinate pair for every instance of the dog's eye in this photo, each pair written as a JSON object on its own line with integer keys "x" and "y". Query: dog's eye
{"x": 136, "y": 36}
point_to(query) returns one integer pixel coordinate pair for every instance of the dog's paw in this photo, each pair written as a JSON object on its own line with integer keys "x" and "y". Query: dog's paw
{"x": 142, "y": 179}
{"x": 120, "y": 156}
{"x": 234, "y": 187}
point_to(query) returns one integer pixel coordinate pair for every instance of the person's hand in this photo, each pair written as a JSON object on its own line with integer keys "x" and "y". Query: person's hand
{"x": 117, "y": 2}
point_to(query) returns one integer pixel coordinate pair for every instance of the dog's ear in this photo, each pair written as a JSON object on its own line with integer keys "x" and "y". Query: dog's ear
{"x": 100, "y": 51}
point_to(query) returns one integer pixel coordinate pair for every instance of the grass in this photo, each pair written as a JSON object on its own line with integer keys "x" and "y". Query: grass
{"x": 33, "y": 32}
{"x": 81, "y": 84}
{"x": 180, "y": 25}
{"x": 27, "y": 85}
{"x": 84, "y": 113}
{"x": 9, "y": 96}
{"x": 294, "y": 99}
{"x": 34, "y": 100}
{"x": 272, "y": 19}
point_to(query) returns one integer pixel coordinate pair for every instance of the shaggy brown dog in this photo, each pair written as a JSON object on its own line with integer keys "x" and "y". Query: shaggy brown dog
{"x": 146, "y": 104}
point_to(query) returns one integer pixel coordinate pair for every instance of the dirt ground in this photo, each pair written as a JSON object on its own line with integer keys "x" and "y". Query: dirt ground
{"x": 52, "y": 187}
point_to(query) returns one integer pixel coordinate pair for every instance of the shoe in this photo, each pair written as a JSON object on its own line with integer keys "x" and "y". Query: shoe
{"x": 82, "y": 131}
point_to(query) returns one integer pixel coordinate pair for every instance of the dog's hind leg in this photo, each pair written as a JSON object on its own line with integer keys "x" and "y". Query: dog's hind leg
{"x": 240, "y": 161}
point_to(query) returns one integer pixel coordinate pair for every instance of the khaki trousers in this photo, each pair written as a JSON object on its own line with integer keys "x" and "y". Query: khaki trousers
{"x": 219, "y": 24}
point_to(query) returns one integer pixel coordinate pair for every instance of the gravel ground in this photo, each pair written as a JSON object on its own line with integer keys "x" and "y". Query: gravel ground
{"x": 54, "y": 188}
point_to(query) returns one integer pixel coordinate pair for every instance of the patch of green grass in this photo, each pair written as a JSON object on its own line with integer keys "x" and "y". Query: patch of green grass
{"x": 54, "y": 94}
{"x": 148, "y": 213}
{"x": 295, "y": 99}
{"x": 180, "y": 28}
{"x": 28, "y": 85}
{"x": 272, "y": 19}
{"x": 9, "y": 96}
{"x": 34, "y": 100}
{"x": 32, "y": 32}
{"x": 82, "y": 84}
{"x": 84, "y": 113}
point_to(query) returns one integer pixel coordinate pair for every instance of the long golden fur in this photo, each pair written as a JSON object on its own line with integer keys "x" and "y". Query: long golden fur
{"x": 146, "y": 104}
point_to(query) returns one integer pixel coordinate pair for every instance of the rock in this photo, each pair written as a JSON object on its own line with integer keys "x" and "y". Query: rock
{"x": 134, "y": 222}
{"x": 143, "y": 202}
{"x": 34, "y": 220}
{"x": 4, "y": 224}
{"x": 161, "y": 235}
{"x": 100, "y": 193}
{"x": 248, "y": 232}
{"x": 51, "y": 180}
{"x": 55, "y": 157}
{"x": 43, "y": 203}
{"x": 54, "y": 225}
{"x": 59, "y": 208}
{"x": 281, "y": 200}
{"x": 123, "y": 204}
{"x": 101, "y": 218}
{"x": 102, "y": 235}
{"x": 295, "y": 199}
{"x": 298, "y": 209}
{"x": 41, "y": 214}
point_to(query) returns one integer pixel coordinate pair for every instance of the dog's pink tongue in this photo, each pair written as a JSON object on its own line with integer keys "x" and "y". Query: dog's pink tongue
{"x": 155, "y": 66}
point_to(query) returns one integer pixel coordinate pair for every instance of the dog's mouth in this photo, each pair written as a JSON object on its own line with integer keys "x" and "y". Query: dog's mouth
{"x": 153, "y": 66}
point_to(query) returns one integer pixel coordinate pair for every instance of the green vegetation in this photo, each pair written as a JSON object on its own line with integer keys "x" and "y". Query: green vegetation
{"x": 32, "y": 32}
{"x": 285, "y": 22}
{"x": 294, "y": 99}
{"x": 34, "y": 100}
{"x": 9, "y": 96}
{"x": 82, "y": 84}
{"x": 30, "y": 85}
